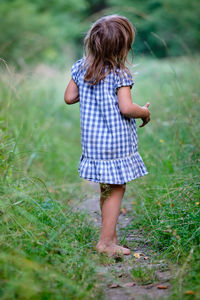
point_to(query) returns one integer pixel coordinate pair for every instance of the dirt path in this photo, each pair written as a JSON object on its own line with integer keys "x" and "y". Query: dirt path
{"x": 141, "y": 275}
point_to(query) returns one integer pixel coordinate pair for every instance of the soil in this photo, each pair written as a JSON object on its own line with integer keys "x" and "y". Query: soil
{"x": 119, "y": 280}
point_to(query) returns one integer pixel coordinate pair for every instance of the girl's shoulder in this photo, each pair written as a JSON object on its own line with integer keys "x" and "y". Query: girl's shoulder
{"x": 125, "y": 72}
{"x": 79, "y": 63}
{"x": 123, "y": 77}
{"x": 77, "y": 69}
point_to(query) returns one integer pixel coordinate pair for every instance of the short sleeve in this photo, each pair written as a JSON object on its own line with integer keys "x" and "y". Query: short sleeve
{"x": 76, "y": 70}
{"x": 123, "y": 78}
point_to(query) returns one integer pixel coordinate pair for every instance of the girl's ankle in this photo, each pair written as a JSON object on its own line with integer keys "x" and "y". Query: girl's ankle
{"x": 106, "y": 242}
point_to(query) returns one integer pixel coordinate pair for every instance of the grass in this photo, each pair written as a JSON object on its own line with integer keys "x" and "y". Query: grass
{"x": 47, "y": 249}
{"x": 143, "y": 275}
{"x": 167, "y": 200}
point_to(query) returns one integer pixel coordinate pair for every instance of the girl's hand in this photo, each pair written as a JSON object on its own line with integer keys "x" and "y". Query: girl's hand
{"x": 147, "y": 118}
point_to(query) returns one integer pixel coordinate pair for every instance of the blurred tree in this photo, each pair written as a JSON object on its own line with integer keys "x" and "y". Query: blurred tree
{"x": 43, "y": 30}
{"x": 38, "y": 30}
{"x": 164, "y": 27}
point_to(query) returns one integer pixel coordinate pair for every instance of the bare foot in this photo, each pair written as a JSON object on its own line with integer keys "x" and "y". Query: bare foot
{"x": 112, "y": 249}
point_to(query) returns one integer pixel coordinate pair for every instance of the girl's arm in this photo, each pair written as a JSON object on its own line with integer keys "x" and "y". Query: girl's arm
{"x": 71, "y": 93}
{"x": 130, "y": 109}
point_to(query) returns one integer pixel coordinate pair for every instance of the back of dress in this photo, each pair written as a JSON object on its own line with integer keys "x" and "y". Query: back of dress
{"x": 108, "y": 139}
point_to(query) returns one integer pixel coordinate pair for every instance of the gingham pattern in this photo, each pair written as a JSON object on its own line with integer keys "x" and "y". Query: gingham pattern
{"x": 108, "y": 139}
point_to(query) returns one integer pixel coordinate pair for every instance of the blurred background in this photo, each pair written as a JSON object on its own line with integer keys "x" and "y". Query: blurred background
{"x": 53, "y": 31}
{"x": 46, "y": 248}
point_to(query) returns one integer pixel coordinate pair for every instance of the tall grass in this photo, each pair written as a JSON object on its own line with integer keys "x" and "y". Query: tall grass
{"x": 168, "y": 199}
{"x": 46, "y": 247}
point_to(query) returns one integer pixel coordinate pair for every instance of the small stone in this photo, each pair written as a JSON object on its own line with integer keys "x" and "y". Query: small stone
{"x": 137, "y": 255}
{"x": 129, "y": 284}
{"x": 114, "y": 285}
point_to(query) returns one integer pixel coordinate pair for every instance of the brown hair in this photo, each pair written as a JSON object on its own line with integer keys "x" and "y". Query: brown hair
{"x": 107, "y": 45}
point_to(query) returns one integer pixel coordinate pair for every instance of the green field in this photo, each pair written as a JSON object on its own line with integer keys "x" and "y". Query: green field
{"x": 46, "y": 248}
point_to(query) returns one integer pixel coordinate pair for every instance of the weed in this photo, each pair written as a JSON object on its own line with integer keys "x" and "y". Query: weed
{"x": 143, "y": 275}
{"x": 167, "y": 206}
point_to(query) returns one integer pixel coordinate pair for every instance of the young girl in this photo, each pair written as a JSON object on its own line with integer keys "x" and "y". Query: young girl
{"x": 102, "y": 83}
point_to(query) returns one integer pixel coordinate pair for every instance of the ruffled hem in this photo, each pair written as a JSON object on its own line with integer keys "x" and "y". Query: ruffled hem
{"x": 115, "y": 171}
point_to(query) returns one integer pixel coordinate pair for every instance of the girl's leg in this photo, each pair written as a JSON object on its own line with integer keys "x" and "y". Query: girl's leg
{"x": 110, "y": 203}
{"x": 104, "y": 194}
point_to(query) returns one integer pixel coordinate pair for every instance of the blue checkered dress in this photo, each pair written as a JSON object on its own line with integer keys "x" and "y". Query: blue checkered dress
{"x": 109, "y": 140}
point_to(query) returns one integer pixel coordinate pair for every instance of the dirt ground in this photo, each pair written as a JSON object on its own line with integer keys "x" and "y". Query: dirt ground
{"x": 152, "y": 281}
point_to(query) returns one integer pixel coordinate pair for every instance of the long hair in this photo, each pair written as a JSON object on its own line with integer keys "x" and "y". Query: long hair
{"x": 106, "y": 46}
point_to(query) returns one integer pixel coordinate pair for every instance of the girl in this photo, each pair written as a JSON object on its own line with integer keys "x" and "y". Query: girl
{"x": 102, "y": 83}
